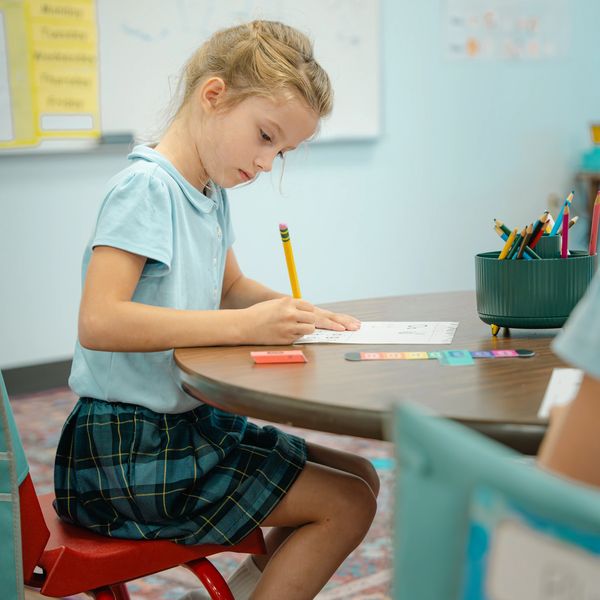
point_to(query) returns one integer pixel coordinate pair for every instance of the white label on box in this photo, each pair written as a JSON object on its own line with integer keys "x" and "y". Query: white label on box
{"x": 525, "y": 564}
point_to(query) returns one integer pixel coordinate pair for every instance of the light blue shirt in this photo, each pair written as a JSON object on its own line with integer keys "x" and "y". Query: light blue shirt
{"x": 579, "y": 342}
{"x": 151, "y": 210}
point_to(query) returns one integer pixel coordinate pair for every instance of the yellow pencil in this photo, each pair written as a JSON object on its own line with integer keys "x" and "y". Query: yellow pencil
{"x": 289, "y": 259}
{"x": 508, "y": 245}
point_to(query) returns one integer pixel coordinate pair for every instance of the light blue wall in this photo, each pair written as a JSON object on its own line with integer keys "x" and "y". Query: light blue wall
{"x": 463, "y": 142}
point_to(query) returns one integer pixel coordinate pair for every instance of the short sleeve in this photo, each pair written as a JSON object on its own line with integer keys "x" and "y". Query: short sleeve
{"x": 579, "y": 341}
{"x": 136, "y": 216}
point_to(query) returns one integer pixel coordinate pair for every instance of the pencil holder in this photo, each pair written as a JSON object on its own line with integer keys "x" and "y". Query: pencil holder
{"x": 548, "y": 246}
{"x": 531, "y": 294}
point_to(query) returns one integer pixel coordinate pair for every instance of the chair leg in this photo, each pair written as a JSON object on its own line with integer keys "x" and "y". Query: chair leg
{"x": 212, "y": 580}
{"x": 112, "y": 592}
{"x": 120, "y": 591}
{"x": 103, "y": 593}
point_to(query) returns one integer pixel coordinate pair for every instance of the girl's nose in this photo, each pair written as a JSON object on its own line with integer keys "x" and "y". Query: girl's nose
{"x": 265, "y": 161}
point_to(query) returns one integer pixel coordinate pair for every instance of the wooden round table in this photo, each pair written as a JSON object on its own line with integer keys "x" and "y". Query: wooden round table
{"x": 498, "y": 397}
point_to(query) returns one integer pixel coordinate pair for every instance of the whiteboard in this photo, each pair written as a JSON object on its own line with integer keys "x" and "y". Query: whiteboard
{"x": 144, "y": 44}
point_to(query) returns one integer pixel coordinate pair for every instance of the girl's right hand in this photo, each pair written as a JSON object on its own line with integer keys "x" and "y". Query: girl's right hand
{"x": 281, "y": 321}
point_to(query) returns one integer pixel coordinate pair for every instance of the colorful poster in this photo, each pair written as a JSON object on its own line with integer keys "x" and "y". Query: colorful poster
{"x": 506, "y": 29}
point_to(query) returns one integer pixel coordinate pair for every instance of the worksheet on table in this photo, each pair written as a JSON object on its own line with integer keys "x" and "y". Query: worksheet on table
{"x": 387, "y": 332}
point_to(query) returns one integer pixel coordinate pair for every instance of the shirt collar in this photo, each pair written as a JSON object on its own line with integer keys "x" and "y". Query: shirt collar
{"x": 195, "y": 196}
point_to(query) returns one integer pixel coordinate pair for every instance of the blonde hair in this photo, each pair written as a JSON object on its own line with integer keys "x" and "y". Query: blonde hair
{"x": 260, "y": 58}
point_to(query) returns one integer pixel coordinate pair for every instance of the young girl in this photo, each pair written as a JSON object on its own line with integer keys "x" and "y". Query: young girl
{"x": 138, "y": 458}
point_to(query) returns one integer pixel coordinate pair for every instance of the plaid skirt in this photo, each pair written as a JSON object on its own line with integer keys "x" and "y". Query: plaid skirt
{"x": 200, "y": 477}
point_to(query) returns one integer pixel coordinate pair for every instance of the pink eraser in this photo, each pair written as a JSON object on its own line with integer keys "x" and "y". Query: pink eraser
{"x": 278, "y": 356}
{"x": 282, "y": 226}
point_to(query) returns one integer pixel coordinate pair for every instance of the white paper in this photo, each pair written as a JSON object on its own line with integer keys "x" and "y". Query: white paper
{"x": 562, "y": 388}
{"x": 387, "y": 332}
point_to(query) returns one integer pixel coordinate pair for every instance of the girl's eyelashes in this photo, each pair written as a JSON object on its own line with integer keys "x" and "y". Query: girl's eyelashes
{"x": 267, "y": 138}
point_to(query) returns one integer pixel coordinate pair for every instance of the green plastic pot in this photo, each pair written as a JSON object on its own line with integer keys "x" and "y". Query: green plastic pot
{"x": 531, "y": 294}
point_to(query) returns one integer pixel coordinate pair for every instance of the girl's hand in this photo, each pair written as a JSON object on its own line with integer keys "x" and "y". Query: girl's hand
{"x": 325, "y": 319}
{"x": 280, "y": 321}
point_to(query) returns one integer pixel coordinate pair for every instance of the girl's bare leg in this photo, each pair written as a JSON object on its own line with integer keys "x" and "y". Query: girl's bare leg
{"x": 330, "y": 511}
{"x": 345, "y": 461}
{"x": 337, "y": 459}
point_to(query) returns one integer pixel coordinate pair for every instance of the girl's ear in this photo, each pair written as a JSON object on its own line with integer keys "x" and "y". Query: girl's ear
{"x": 212, "y": 92}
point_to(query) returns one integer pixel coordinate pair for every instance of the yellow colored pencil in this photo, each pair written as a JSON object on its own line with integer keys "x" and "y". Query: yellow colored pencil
{"x": 508, "y": 244}
{"x": 289, "y": 260}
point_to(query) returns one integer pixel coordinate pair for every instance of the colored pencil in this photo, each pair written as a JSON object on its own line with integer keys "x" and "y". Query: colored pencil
{"x": 525, "y": 241}
{"x": 538, "y": 230}
{"x": 507, "y": 246}
{"x": 559, "y": 217}
{"x": 515, "y": 247}
{"x": 594, "y": 225}
{"x": 564, "y": 252}
{"x": 289, "y": 260}
{"x": 571, "y": 223}
{"x": 503, "y": 231}
{"x": 501, "y": 225}
{"x": 549, "y": 224}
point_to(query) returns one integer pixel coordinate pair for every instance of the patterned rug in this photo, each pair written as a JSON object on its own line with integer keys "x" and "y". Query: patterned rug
{"x": 365, "y": 575}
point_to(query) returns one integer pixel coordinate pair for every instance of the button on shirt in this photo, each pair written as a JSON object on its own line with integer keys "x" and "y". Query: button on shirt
{"x": 151, "y": 210}
{"x": 579, "y": 342}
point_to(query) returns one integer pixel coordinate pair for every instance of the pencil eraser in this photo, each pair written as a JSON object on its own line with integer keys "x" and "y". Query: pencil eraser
{"x": 278, "y": 356}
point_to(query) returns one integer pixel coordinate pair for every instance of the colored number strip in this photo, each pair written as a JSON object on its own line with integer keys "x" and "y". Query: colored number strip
{"x": 451, "y": 355}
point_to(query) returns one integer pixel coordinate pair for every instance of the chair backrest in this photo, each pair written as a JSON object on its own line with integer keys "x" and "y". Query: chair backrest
{"x": 11, "y": 579}
{"x": 474, "y": 520}
{"x": 23, "y": 525}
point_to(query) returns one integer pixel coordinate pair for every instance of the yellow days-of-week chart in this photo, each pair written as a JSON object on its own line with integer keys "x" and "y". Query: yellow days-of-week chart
{"x": 48, "y": 71}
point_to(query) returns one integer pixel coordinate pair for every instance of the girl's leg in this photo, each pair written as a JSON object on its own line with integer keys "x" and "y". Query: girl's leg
{"x": 330, "y": 511}
{"x": 345, "y": 461}
{"x": 337, "y": 459}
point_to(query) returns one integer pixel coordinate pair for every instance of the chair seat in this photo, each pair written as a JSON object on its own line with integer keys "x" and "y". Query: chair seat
{"x": 77, "y": 559}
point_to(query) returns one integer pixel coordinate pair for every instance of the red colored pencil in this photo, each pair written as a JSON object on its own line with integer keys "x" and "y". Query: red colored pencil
{"x": 538, "y": 232}
{"x": 594, "y": 227}
{"x": 565, "y": 233}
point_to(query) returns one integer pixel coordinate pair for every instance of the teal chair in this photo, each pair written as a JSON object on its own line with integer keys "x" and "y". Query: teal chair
{"x": 13, "y": 471}
{"x": 476, "y": 521}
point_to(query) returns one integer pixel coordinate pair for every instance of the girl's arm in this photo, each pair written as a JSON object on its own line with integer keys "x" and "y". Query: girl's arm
{"x": 241, "y": 292}
{"x": 110, "y": 321}
{"x": 571, "y": 447}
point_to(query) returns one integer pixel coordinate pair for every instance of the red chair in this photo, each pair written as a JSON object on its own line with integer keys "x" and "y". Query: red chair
{"x": 73, "y": 559}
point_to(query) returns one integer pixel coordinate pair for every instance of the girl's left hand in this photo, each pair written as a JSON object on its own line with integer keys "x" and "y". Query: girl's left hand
{"x": 335, "y": 321}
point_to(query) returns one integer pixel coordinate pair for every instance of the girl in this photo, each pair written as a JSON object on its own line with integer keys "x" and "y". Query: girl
{"x": 138, "y": 458}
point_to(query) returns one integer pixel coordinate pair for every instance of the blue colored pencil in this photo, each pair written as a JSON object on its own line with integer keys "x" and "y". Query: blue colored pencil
{"x": 559, "y": 217}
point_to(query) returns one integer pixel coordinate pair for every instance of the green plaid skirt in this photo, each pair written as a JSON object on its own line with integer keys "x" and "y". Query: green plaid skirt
{"x": 200, "y": 477}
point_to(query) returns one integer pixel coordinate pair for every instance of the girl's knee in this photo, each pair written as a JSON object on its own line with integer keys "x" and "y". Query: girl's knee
{"x": 353, "y": 507}
{"x": 369, "y": 474}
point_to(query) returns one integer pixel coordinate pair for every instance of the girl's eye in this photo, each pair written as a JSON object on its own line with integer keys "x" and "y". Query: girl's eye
{"x": 264, "y": 136}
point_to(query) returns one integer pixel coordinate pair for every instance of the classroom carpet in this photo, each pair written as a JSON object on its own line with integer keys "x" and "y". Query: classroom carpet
{"x": 365, "y": 575}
